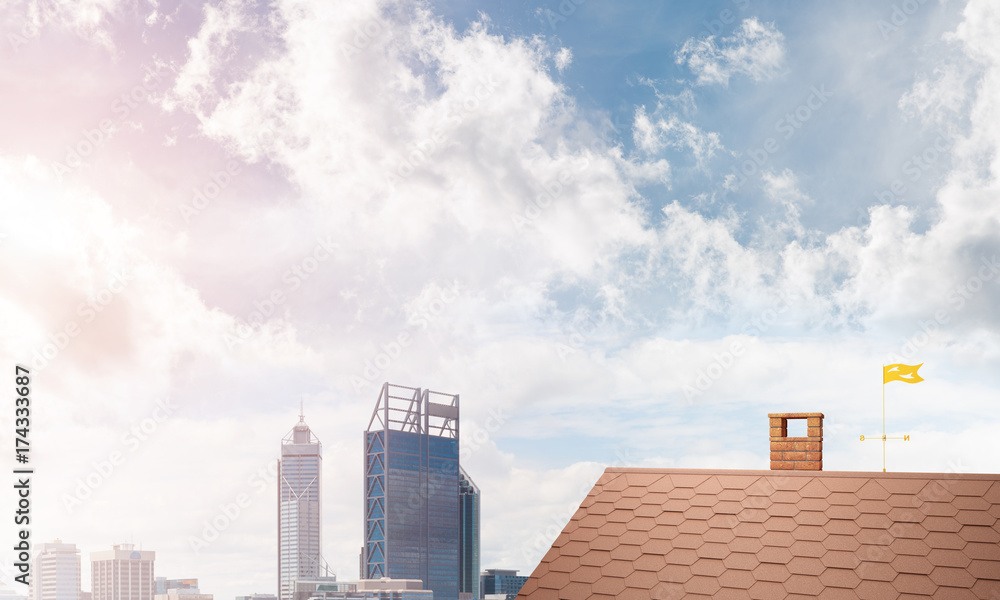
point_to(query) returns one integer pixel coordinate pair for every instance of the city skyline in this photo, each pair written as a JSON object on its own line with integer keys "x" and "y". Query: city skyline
{"x": 625, "y": 232}
{"x": 299, "y": 531}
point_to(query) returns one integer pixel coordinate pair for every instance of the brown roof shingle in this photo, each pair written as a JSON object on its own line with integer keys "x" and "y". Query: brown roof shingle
{"x": 679, "y": 533}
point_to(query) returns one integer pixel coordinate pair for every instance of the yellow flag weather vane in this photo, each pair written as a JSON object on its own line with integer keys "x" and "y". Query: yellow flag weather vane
{"x": 896, "y": 372}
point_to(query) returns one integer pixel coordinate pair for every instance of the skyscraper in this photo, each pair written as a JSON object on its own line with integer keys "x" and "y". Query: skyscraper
{"x": 57, "y": 573}
{"x": 468, "y": 495}
{"x": 122, "y": 573}
{"x": 300, "y": 475}
{"x": 412, "y": 520}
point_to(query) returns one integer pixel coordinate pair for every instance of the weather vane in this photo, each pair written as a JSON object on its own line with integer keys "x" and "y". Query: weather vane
{"x": 896, "y": 372}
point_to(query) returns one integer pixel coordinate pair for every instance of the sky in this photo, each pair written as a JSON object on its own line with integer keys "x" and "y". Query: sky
{"x": 623, "y": 233}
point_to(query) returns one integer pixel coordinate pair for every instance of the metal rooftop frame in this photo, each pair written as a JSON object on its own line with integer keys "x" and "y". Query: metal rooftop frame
{"x": 410, "y": 409}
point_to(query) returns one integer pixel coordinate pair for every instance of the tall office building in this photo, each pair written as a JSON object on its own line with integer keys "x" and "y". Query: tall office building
{"x": 412, "y": 521}
{"x": 57, "y": 573}
{"x": 300, "y": 473}
{"x": 122, "y": 573}
{"x": 468, "y": 495}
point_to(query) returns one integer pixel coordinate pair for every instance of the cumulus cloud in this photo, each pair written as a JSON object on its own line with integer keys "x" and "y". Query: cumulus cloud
{"x": 756, "y": 50}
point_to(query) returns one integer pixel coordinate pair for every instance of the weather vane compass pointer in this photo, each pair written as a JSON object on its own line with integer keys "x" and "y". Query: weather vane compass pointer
{"x": 896, "y": 372}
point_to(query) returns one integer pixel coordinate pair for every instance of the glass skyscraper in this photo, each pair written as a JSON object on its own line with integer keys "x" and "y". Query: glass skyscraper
{"x": 412, "y": 507}
{"x": 300, "y": 473}
{"x": 468, "y": 495}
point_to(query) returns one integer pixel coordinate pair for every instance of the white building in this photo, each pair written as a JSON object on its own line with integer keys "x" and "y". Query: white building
{"x": 300, "y": 477}
{"x": 57, "y": 573}
{"x": 122, "y": 573}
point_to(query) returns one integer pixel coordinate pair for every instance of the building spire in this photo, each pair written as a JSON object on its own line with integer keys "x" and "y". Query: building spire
{"x": 302, "y": 412}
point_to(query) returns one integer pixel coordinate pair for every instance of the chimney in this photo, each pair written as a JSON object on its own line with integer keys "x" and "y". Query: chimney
{"x": 797, "y": 453}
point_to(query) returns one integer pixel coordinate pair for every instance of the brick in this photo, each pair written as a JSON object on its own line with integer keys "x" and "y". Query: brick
{"x": 814, "y": 422}
{"x": 781, "y": 446}
{"x": 776, "y": 455}
{"x": 781, "y": 464}
{"x": 814, "y": 456}
{"x": 815, "y": 432}
{"x": 778, "y": 432}
{"x": 794, "y": 455}
{"x": 777, "y": 422}
{"x": 795, "y": 415}
{"x": 808, "y": 446}
{"x": 808, "y": 465}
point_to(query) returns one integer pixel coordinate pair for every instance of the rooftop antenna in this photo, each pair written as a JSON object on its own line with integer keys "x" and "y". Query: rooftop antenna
{"x": 302, "y": 412}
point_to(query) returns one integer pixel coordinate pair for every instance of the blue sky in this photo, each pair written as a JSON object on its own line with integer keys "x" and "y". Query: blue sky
{"x": 603, "y": 232}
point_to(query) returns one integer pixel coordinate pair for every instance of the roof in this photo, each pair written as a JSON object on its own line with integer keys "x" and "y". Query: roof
{"x": 682, "y": 533}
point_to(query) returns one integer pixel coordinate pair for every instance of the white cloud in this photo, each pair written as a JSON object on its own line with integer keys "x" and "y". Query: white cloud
{"x": 563, "y": 58}
{"x": 756, "y": 50}
{"x": 208, "y": 52}
{"x": 652, "y": 136}
{"x": 937, "y": 97}
{"x": 88, "y": 19}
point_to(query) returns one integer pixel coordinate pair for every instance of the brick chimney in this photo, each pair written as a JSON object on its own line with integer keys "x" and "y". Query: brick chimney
{"x": 798, "y": 453}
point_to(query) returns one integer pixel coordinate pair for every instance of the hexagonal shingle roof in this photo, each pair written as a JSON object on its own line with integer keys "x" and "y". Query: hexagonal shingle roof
{"x": 669, "y": 534}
